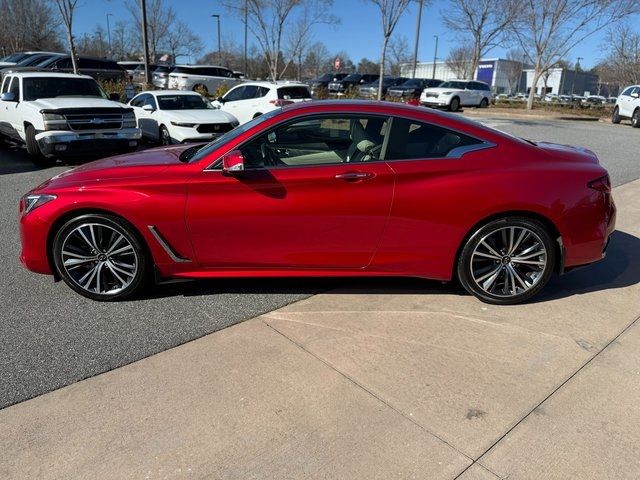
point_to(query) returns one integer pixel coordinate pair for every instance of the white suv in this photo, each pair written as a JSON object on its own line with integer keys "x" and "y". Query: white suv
{"x": 201, "y": 77}
{"x": 628, "y": 106}
{"x": 454, "y": 94}
{"x": 252, "y": 99}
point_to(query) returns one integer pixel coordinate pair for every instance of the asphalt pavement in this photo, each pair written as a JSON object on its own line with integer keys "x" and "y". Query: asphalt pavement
{"x": 51, "y": 337}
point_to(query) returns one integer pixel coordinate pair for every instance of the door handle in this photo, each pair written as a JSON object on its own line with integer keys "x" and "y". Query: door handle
{"x": 354, "y": 176}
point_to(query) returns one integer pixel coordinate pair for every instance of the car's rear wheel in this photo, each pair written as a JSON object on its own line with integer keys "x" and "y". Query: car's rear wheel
{"x": 454, "y": 105}
{"x": 33, "y": 149}
{"x": 635, "y": 119}
{"x": 507, "y": 261}
{"x": 615, "y": 118}
{"x": 100, "y": 257}
{"x": 165, "y": 137}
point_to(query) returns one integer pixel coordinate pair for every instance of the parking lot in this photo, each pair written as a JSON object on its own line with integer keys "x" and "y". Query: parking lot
{"x": 362, "y": 378}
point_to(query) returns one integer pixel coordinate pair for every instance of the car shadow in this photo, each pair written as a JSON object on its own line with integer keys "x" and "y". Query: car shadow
{"x": 619, "y": 269}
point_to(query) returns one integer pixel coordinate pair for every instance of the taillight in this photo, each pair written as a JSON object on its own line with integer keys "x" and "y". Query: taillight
{"x": 280, "y": 102}
{"x": 602, "y": 184}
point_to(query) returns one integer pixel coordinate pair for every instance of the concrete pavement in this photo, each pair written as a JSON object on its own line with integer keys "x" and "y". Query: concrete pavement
{"x": 364, "y": 383}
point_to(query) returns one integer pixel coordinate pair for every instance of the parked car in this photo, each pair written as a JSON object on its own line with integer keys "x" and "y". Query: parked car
{"x": 628, "y": 106}
{"x": 138, "y": 76}
{"x": 370, "y": 90}
{"x": 412, "y": 88}
{"x": 327, "y": 189}
{"x": 130, "y": 66}
{"x": 34, "y": 60}
{"x": 201, "y": 77}
{"x": 323, "y": 81}
{"x": 60, "y": 114}
{"x": 160, "y": 76}
{"x": 251, "y": 99}
{"x": 98, "y": 68}
{"x": 457, "y": 93}
{"x": 176, "y": 116}
{"x": 15, "y": 58}
{"x": 338, "y": 87}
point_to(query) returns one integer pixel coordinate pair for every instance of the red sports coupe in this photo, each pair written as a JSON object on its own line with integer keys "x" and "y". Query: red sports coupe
{"x": 339, "y": 188}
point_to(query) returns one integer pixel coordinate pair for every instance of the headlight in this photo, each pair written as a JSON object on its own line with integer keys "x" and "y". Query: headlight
{"x": 182, "y": 124}
{"x": 53, "y": 116}
{"x": 31, "y": 202}
{"x": 129, "y": 120}
{"x": 446, "y": 93}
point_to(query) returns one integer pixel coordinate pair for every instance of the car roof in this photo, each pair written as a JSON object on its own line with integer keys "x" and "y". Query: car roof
{"x": 160, "y": 93}
{"x": 48, "y": 74}
{"x": 278, "y": 84}
{"x": 198, "y": 66}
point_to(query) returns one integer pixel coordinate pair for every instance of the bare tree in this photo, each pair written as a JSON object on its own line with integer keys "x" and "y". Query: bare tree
{"x": 549, "y": 29}
{"x": 482, "y": 22}
{"x": 313, "y": 13}
{"x": 398, "y": 54}
{"x": 460, "y": 61}
{"x": 390, "y": 11}
{"x": 182, "y": 42}
{"x": 513, "y": 68}
{"x": 160, "y": 19}
{"x": 67, "y": 9}
{"x": 27, "y": 25}
{"x": 622, "y": 64}
{"x": 317, "y": 61}
{"x": 124, "y": 43}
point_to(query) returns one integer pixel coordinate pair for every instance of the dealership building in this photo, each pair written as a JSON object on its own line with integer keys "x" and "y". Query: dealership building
{"x": 507, "y": 76}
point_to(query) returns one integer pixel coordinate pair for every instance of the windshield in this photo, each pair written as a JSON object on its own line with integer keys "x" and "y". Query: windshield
{"x": 355, "y": 77}
{"x": 460, "y": 85}
{"x": 15, "y": 57}
{"x": 327, "y": 77}
{"x": 412, "y": 83}
{"x": 182, "y": 102}
{"x": 229, "y": 136}
{"x": 52, "y": 87}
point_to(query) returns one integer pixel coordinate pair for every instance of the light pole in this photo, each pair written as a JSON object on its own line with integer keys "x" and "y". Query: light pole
{"x": 217, "y": 17}
{"x": 573, "y": 77}
{"x": 415, "y": 50}
{"x": 109, "y": 34}
{"x": 145, "y": 42}
{"x": 246, "y": 15}
{"x": 435, "y": 57}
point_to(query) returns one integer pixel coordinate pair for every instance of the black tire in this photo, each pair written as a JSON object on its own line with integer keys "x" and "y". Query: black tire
{"x": 38, "y": 159}
{"x": 129, "y": 278}
{"x": 257, "y": 115}
{"x": 165, "y": 137}
{"x": 635, "y": 119}
{"x": 454, "y": 106}
{"x": 615, "y": 118}
{"x": 484, "y": 103}
{"x": 501, "y": 286}
{"x": 200, "y": 87}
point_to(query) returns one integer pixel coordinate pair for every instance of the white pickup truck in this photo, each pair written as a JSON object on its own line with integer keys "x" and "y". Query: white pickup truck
{"x": 60, "y": 114}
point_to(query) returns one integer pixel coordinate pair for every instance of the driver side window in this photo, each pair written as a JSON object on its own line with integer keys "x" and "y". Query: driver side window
{"x": 234, "y": 95}
{"x": 318, "y": 140}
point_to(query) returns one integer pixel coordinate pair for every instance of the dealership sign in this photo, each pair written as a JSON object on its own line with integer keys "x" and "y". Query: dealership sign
{"x": 485, "y": 71}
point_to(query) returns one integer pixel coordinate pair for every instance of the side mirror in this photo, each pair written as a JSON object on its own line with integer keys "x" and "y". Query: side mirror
{"x": 114, "y": 97}
{"x": 635, "y": 94}
{"x": 8, "y": 97}
{"x": 148, "y": 108}
{"x": 233, "y": 162}
{"x": 220, "y": 99}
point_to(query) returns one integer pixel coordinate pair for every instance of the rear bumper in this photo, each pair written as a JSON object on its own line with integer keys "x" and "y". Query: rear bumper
{"x": 64, "y": 142}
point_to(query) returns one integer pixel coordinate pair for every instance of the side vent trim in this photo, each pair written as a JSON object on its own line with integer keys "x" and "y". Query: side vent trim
{"x": 165, "y": 245}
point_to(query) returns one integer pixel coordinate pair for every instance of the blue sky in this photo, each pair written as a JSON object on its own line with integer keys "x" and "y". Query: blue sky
{"x": 359, "y": 33}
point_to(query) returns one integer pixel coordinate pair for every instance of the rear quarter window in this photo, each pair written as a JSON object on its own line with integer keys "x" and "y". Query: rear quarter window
{"x": 294, "y": 93}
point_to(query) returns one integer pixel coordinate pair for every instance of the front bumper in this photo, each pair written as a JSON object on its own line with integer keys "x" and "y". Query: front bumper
{"x": 33, "y": 239}
{"x": 64, "y": 142}
{"x": 434, "y": 102}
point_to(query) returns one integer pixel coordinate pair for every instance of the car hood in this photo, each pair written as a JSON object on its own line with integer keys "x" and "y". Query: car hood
{"x": 199, "y": 116}
{"x": 568, "y": 152}
{"x": 148, "y": 163}
{"x": 75, "y": 102}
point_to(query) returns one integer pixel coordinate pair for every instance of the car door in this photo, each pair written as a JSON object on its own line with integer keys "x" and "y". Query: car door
{"x": 624, "y": 102}
{"x": 247, "y": 104}
{"x": 230, "y": 102}
{"x": 12, "y": 126}
{"x": 4, "y": 107}
{"x": 431, "y": 197}
{"x": 298, "y": 204}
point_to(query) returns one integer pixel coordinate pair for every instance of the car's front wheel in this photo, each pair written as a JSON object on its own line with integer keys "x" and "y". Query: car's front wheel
{"x": 100, "y": 256}
{"x": 635, "y": 119}
{"x": 484, "y": 103}
{"x": 615, "y": 118}
{"x": 507, "y": 261}
{"x": 454, "y": 105}
{"x": 33, "y": 149}
{"x": 165, "y": 136}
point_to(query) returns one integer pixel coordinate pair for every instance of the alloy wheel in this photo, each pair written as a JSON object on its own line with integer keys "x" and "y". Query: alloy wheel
{"x": 99, "y": 259}
{"x": 508, "y": 261}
